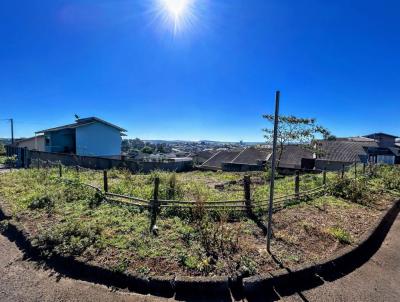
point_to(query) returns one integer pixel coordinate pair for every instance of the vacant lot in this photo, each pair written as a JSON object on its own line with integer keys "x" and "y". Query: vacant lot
{"x": 71, "y": 219}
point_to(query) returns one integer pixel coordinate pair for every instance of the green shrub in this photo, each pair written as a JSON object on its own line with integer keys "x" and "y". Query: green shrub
{"x": 2, "y": 149}
{"x": 68, "y": 239}
{"x": 354, "y": 190}
{"x": 96, "y": 199}
{"x": 342, "y": 235}
{"x": 390, "y": 177}
{"x": 44, "y": 202}
{"x": 4, "y": 226}
{"x": 10, "y": 161}
{"x": 247, "y": 266}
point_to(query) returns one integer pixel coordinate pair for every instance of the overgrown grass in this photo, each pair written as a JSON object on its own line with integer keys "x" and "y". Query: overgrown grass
{"x": 72, "y": 220}
{"x": 210, "y": 186}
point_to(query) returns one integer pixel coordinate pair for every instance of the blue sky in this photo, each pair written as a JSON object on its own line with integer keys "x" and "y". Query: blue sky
{"x": 337, "y": 61}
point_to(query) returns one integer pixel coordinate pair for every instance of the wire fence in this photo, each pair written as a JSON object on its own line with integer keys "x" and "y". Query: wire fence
{"x": 304, "y": 186}
{"x": 235, "y": 204}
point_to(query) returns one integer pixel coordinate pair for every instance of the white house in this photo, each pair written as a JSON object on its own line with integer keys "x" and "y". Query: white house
{"x": 87, "y": 136}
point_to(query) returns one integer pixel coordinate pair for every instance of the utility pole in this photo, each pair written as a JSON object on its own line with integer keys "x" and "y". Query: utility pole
{"x": 12, "y": 130}
{"x": 272, "y": 180}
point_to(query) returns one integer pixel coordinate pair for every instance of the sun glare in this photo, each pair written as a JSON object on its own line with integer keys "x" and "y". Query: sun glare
{"x": 175, "y": 7}
{"x": 177, "y": 14}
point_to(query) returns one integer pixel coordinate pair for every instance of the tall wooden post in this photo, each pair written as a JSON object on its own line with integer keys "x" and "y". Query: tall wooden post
{"x": 154, "y": 204}
{"x": 60, "y": 170}
{"x": 105, "y": 181}
{"x": 247, "y": 194}
{"x": 364, "y": 168}
{"x": 343, "y": 171}
{"x": 272, "y": 181}
{"x": 297, "y": 185}
{"x": 12, "y": 131}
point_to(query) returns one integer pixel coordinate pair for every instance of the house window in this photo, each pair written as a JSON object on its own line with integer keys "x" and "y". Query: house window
{"x": 385, "y": 159}
{"x": 47, "y": 140}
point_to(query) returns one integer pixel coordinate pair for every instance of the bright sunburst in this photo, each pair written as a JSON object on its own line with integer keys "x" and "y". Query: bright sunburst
{"x": 177, "y": 14}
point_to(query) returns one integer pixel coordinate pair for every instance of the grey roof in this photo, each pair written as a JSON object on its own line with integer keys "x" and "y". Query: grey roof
{"x": 345, "y": 151}
{"x": 395, "y": 150}
{"x": 360, "y": 139}
{"x": 21, "y": 140}
{"x": 292, "y": 156}
{"x": 80, "y": 123}
{"x": 203, "y": 156}
{"x": 251, "y": 156}
{"x": 216, "y": 160}
{"x": 373, "y": 135}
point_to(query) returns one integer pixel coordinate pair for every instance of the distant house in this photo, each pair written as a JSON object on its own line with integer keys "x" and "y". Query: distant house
{"x": 87, "y": 136}
{"x": 294, "y": 157}
{"x": 36, "y": 143}
{"x": 377, "y": 148}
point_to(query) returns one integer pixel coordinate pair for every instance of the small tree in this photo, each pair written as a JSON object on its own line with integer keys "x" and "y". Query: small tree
{"x": 295, "y": 130}
{"x": 147, "y": 150}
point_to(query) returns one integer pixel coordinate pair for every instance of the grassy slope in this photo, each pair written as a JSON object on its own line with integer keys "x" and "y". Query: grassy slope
{"x": 68, "y": 220}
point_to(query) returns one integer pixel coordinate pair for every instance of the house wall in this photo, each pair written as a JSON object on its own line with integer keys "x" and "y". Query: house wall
{"x": 98, "y": 139}
{"x": 384, "y": 140}
{"x": 34, "y": 143}
{"x": 233, "y": 167}
{"x": 321, "y": 164}
{"x": 62, "y": 141}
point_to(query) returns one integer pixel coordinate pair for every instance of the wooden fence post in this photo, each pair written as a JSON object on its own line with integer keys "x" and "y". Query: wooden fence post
{"x": 25, "y": 158}
{"x": 60, "y": 170}
{"x": 342, "y": 171}
{"x": 247, "y": 193}
{"x": 154, "y": 205}
{"x": 297, "y": 184}
{"x": 105, "y": 181}
{"x": 171, "y": 189}
{"x": 77, "y": 169}
{"x": 355, "y": 170}
{"x": 364, "y": 168}
{"x": 324, "y": 177}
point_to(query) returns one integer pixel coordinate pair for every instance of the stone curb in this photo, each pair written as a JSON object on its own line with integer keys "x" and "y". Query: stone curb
{"x": 222, "y": 288}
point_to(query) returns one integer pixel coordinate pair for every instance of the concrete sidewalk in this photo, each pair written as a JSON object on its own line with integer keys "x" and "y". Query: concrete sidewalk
{"x": 377, "y": 280}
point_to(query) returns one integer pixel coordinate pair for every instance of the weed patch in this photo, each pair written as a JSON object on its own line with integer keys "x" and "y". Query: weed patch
{"x": 340, "y": 234}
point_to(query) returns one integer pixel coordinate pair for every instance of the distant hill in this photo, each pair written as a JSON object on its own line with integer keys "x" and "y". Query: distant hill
{"x": 209, "y": 142}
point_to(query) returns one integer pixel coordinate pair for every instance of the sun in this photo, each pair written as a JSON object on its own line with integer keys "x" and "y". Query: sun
{"x": 177, "y": 14}
{"x": 175, "y": 7}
